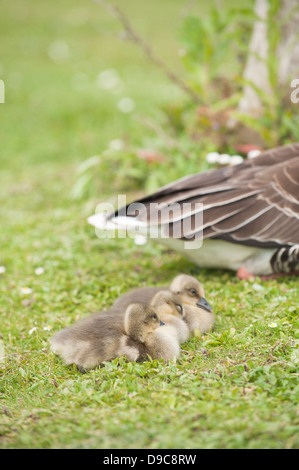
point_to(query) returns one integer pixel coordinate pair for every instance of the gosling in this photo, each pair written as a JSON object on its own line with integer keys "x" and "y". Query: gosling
{"x": 152, "y": 336}
{"x": 188, "y": 287}
{"x": 138, "y": 335}
{"x": 198, "y": 319}
{"x": 171, "y": 312}
{"x": 191, "y": 294}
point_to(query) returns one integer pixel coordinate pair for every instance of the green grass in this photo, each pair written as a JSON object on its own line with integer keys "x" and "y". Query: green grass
{"x": 237, "y": 387}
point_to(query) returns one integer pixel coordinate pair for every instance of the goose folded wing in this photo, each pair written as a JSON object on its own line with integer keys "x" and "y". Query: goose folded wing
{"x": 255, "y": 203}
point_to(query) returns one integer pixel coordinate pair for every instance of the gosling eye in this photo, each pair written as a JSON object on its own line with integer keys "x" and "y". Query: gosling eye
{"x": 154, "y": 316}
{"x": 179, "y": 309}
{"x": 193, "y": 292}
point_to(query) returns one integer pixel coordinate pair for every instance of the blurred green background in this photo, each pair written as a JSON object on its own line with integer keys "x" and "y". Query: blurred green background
{"x": 59, "y": 109}
{"x": 75, "y": 84}
{"x": 76, "y": 89}
{"x": 51, "y": 58}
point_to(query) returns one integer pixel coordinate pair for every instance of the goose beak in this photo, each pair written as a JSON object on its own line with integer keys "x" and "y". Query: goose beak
{"x": 204, "y": 304}
{"x": 161, "y": 323}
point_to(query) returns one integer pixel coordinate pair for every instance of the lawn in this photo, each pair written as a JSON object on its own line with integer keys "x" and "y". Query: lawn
{"x": 236, "y": 387}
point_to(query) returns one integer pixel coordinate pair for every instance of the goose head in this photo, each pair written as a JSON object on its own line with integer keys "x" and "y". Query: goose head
{"x": 191, "y": 291}
{"x": 169, "y": 303}
{"x": 141, "y": 320}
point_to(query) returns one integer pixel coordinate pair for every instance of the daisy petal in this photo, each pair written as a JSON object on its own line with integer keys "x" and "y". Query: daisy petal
{"x": 39, "y": 271}
{"x": 26, "y": 290}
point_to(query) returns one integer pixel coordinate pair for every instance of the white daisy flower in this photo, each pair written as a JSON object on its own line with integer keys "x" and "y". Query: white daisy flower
{"x": 212, "y": 157}
{"x": 236, "y": 159}
{"x": 257, "y": 287}
{"x": 48, "y": 328}
{"x": 253, "y": 153}
{"x": 39, "y": 271}
{"x": 26, "y": 290}
{"x": 59, "y": 51}
{"x": 108, "y": 79}
{"x": 272, "y": 325}
{"x": 2, "y": 269}
{"x": 126, "y": 105}
{"x": 140, "y": 240}
{"x": 116, "y": 144}
{"x": 32, "y": 330}
{"x": 224, "y": 159}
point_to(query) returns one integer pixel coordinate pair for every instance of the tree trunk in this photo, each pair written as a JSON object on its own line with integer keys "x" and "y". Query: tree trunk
{"x": 288, "y": 49}
{"x": 256, "y": 70}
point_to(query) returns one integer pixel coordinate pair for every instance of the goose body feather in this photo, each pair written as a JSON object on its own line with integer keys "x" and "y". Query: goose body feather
{"x": 249, "y": 212}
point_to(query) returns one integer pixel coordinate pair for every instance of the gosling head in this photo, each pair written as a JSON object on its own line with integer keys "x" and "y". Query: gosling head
{"x": 141, "y": 320}
{"x": 190, "y": 291}
{"x": 168, "y": 303}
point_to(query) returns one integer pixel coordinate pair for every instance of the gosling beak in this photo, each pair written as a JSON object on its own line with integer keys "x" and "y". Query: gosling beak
{"x": 204, "y": 304}
{"x": 161, "y": 323}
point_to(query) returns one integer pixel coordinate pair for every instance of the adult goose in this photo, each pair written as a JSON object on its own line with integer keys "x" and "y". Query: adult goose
{"x": 247, "y": 215}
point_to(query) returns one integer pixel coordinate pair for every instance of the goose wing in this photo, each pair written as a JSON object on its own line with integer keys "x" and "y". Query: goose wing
{"x": 255, "y": 203}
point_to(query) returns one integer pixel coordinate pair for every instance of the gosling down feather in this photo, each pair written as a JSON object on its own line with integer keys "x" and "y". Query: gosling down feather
{"x": 250, "y": 215}
{"x": 172, "y": 313}
{"x": 138, "y": 335}
{"x": 184, "y": 291}
{"x": 188, "y": 288}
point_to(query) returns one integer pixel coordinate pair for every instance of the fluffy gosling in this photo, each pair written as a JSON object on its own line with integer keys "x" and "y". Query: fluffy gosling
{"x": 171, "y": 312}
{"x": 191, "y": 294}
{"x": 199, "y": 319}
{"x": 102, "y": 337}
{"x": 188, "y": 287}
{"x": 153, "y": 337}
